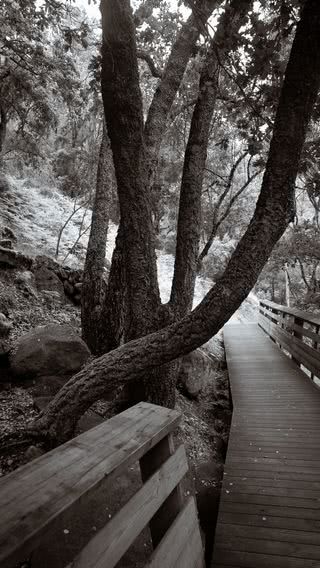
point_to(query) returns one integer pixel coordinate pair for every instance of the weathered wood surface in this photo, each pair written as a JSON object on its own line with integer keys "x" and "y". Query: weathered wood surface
{"x": 181, "y": 547}
{"x": 306, "y": 316}
{"x": 269, "y": 514}
{"x": 287, "y": 328}
{"x": 110, "y": 544}
{"x": 34, "y": 496}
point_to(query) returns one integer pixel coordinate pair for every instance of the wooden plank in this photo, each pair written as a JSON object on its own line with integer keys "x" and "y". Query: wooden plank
{"x": 110, "y": 544}
{"x": 164, "y": 517}
{"x": 277, "y": 522}
{"x": 224, "y": 531}
{"x": 306, "y": 316}
{"x": 271, "y": 547}
{"x": 181, "y": 547}
{"x": 270, "y": 500}
{"x": 242, "y": 559}
{"x": 32, "y": 497}
{"x": 303, "y": 331}
{"x": 302, "y": 353}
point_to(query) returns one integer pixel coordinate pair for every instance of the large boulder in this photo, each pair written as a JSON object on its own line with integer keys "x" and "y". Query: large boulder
{"x": 47, "y": 280}
{"x": 49, "y": 350}
{"x": 196, "y": 370}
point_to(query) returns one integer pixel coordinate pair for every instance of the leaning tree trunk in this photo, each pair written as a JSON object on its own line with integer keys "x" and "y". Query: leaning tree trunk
{"x": 93, "y": 286}
{"x": 189, "y": 218}
{"x": 274, "y": 210}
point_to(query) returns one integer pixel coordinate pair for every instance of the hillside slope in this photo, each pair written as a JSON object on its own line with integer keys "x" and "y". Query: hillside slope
{"x": 37, "y": 215}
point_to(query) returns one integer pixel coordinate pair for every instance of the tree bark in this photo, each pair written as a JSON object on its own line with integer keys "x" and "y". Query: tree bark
{"x": 123, "y": 110}
{"x": 189, "y": 218}
{"x": 3, "y": 128}
{"x": 274, "y": 210}
{"x": 112, "y": 318}
{"x": 93, "y": 286}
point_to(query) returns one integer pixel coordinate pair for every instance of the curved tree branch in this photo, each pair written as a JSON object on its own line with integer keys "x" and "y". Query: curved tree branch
{"x": 155, "y": 72}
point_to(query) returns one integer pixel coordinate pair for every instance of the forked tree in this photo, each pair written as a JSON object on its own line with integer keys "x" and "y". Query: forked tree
{"x": 274, "y": 211}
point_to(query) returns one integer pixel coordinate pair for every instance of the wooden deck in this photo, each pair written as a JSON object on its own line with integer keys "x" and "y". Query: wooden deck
{"x": 269, "y": 514}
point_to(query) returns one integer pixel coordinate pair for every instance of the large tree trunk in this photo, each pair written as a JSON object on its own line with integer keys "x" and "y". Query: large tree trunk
{"x": 189, "y": 218}
{"x": 114, "y": 312}
{"x": 93, "y": 287}
{"x": 3, "y": 128}
{"x": 274, "y": 210}
{"x": 123, "y": 110}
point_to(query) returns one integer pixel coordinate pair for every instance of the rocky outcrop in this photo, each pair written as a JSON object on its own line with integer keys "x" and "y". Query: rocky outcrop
{"x": 5, "y": 328}
{"x": 48, "y": 281}
{"x": 51, "y": 276}
{"x": 52, "y": 349}
{"x": 196, "y": 370}
{"x": 13, "y": 259}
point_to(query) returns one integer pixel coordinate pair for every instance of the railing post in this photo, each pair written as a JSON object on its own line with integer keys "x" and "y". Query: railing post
{"x": 300, "y": 323}
{"x": 164, "y": 517}
{"x": 315, "y": 346}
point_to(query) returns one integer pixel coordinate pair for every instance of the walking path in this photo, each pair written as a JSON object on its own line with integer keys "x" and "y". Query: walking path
{"x": 269, "y": 514}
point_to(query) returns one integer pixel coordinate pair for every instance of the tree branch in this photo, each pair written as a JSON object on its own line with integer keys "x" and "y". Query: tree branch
{"x": 155, "y": 71}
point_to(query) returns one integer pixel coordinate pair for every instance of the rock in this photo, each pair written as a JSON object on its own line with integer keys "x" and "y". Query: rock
{"x": 47, "y": 261}
{"x": 68, "y": 288}
{"x": 6, "y": 243}
{"x": 25, "y": 277}
{"x": 7, "y": 233}
{"x": 5, "y": 325}
{"x": 14, "y": 259}
{"x": 196, "y": 370}
{"x": 47, "y": 279}
{"x": 48, "y": 350}
{"x": 51, "y": 295}
{"x": 4, "y": 355}
{"x": 33, "y": 452}
{"x": 62, "y": 274}
{"x": 4, "y": 184}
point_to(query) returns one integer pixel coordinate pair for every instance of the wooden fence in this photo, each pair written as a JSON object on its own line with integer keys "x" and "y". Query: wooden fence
{"x": 35, "y": 498}
{"x": 296, "y": 332}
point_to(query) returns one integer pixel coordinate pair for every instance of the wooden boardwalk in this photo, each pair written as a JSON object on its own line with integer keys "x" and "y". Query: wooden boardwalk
{"x": 269, "y": 515}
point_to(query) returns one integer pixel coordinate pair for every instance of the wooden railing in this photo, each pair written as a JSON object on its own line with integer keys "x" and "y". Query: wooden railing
{"x": 296, "y": 332}
{"x": 36, "y": 499}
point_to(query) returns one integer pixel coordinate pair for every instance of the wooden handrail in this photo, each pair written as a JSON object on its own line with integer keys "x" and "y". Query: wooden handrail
{"x": 36, "y": 498}
{"x": 306, "y": 316}
{"x": 286, "y": 326}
